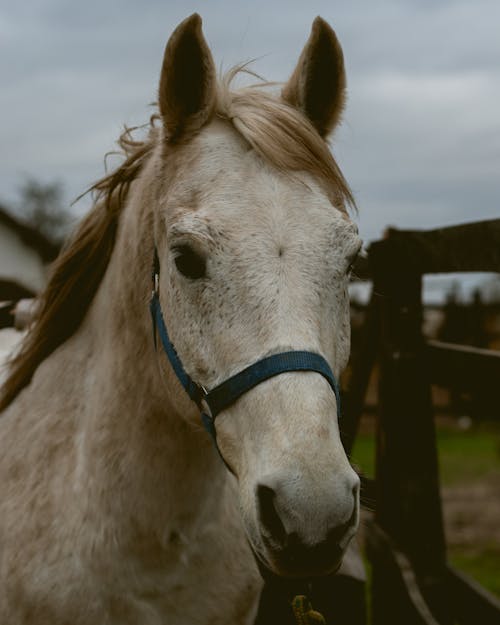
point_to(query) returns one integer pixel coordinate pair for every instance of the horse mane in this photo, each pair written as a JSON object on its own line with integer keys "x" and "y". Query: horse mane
{"x": 281, "y": 134}
{"x": 79, "y": 268}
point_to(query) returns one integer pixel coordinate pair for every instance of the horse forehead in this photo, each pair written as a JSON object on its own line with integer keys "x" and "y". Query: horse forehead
{"x": 227, "y": 163}
{"x": 233, "y": 182}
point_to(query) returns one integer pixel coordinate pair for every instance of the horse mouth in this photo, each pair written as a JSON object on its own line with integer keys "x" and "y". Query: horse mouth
{"x": 297, "y": 560}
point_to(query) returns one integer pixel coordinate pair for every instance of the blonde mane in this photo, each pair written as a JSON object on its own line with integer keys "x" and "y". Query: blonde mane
{"x": 280, "y": 133}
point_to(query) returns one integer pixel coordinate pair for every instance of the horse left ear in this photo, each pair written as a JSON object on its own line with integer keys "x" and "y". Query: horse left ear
{"x": 188, "y": 80}
{"x": 318, "y": 84}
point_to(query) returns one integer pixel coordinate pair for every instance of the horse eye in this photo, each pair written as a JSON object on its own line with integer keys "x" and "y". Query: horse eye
{"x": 189, "y": 263}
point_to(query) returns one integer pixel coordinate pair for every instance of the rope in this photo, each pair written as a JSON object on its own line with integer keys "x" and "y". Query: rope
{"x": 304, "y": 614}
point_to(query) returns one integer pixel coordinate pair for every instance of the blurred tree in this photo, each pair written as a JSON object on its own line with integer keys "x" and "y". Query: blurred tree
{"x": 42, "y": 206}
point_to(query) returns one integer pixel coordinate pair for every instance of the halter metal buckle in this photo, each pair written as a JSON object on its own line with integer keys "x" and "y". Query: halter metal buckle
{"x": 203, "y": 401}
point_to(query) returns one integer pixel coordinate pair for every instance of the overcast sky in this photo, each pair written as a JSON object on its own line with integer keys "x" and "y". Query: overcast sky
{"x": 420, "y": 142}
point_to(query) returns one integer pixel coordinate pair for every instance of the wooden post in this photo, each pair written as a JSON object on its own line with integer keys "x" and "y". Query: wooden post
{"x": 353, "y": 398}
{"x": 408, "y": 500}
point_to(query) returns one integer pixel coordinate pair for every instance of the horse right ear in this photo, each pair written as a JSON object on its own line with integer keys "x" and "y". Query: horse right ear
{"x": 317, "y": 85}
{"x": 188, "y": 80}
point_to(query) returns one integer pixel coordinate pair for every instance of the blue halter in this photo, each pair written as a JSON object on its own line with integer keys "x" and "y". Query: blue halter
{"x": 211, "y": 402}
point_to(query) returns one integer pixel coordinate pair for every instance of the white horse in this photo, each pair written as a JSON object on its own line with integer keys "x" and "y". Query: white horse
{"x": 115, "y": 506}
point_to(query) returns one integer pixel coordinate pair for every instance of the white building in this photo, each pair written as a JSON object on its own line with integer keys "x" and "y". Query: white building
{"x": 25, "y": 255}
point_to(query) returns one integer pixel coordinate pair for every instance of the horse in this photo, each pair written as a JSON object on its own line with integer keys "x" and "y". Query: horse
{"x": 115, "y": 505}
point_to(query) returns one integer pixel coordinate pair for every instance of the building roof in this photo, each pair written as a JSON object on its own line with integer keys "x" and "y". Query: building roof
{"x": 46, "y": 249}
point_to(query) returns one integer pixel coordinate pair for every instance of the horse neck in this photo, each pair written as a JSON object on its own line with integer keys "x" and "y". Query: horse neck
{"x": 136, "y": 440}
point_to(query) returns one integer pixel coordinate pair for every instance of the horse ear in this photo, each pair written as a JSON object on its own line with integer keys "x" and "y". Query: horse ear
{"x": 188, "y": 80}
{"x": 317, "y": 85}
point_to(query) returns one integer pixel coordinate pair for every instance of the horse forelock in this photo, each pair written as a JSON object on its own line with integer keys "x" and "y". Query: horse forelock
{"x": 278, "y": 132}
{"x": 281, "y": 134}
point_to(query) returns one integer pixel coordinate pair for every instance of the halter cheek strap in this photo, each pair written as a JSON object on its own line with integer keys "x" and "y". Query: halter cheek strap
{"x": 211, "y": 402}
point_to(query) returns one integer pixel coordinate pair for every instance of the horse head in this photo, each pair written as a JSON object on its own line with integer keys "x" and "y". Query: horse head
{"x": 254, "y": 247}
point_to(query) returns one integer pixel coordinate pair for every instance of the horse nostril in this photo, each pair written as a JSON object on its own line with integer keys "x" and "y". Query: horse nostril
{"x": 269, "y": 516}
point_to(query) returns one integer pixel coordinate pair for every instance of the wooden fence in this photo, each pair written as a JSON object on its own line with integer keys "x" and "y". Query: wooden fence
{"x": 412, "y": 581}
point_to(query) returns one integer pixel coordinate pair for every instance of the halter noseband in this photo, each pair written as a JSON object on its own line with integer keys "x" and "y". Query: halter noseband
{"x": 211, "y": 402}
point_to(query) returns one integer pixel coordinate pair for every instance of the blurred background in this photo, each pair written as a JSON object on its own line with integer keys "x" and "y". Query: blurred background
{"x": 420, "y": 146}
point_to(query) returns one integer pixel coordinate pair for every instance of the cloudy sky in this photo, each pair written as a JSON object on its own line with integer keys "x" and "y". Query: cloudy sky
{"x": 420, "y": 143}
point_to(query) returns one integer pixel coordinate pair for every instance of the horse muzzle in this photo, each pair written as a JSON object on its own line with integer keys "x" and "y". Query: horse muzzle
{"x": 308, "y": 542}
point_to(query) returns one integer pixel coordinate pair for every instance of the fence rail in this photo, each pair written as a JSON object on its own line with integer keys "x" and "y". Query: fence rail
{"x": 470, "y": 367}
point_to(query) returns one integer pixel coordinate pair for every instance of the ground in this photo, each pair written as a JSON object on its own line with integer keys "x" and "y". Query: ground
{"x": 472, "y": 522}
